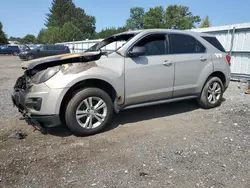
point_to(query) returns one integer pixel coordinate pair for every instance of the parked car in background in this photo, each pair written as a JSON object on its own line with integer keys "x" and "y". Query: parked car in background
{"x": 28, "y": 47}
{"x": 43, "y": 51}
{"x": 154, "y": 66}
{"x": 10, "y": 49}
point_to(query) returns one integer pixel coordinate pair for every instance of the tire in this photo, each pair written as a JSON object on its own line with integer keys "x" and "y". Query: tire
{"x": 78, "y": 104}
{"x": 204, "y": 100}
{"x": 30, "y": 57}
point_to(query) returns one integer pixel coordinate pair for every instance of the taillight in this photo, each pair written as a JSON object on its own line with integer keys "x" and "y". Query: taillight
{"x": 228, "y": 60}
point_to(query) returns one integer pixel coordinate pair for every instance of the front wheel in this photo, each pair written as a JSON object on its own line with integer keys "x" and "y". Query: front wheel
{"x": 30, "y": 57}
{"x": 89, "y": 111}
{"x": 212, "y": 93}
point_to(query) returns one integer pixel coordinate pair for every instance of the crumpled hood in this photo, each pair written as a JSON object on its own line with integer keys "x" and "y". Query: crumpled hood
{"x": 50, "y": 61}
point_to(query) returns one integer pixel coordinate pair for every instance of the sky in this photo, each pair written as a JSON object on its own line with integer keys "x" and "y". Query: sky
{"x": 28, "y": 16}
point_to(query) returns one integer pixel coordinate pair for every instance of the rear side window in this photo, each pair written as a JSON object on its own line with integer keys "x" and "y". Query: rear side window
{"x": 154, "y": 44}
{"x": 61, "y": 48}
{"x": 214, "y": 41}
{"x": 50, "y": 48}
{"x": 185, "y": 44}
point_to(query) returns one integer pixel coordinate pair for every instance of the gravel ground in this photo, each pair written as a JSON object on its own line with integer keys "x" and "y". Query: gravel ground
{"x": 172, "y": 145}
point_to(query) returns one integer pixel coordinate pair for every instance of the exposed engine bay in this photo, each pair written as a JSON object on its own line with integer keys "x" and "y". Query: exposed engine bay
{"x": 34, "y": 69}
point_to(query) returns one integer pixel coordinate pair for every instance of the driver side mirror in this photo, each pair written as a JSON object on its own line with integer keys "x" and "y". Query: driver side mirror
{"x": 137, "y": 51}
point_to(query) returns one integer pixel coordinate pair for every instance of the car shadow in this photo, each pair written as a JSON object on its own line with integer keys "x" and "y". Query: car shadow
{"x": 137, "y": 115}
{"x": 60, "y": 131}
{"x": 152, "y": 112}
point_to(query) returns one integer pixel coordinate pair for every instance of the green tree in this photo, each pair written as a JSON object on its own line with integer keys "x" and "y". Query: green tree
{"x": 61, "y": 12}
{"x": 18, "y": 39}
{"x": 41, "y": 37}
{"x": 109, "y": 31}
{"x": 53, "y": 35}
{"x": 154, "y": 18}
{"x": 84, "y": 22}
{"x": 179, "y": 17}
{"x": 70, "y": 32}
{"x": 3, "y": 38}
{"x": 205, "y": 23}
{"x": 136, "y": 19}
{"x": 28, "y": 39}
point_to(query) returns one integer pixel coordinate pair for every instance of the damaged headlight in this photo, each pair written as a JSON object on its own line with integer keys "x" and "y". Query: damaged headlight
{"x": 45, "y": 75}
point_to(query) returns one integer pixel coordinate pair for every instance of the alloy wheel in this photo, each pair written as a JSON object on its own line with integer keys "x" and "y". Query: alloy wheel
{"x": 214, "y": 92}
{"x": 91, "y": 112}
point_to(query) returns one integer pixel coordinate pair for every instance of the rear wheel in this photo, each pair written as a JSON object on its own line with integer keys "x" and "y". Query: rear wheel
{"x": 212, "y": 93}
{"x": 89, "y": 111}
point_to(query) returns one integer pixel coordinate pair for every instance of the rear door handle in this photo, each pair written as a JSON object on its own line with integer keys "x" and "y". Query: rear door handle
{"x": 203, "y": 59}
{"x": 168, "y": 64}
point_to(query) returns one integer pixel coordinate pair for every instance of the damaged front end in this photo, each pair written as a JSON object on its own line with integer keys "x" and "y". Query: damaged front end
{"x": 36, "y": 72}
{"x": 18, "y": 99}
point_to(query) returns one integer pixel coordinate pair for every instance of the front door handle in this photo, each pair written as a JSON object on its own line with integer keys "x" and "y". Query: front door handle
{"x": 168, "y": 64}
{"x": 203, "y": 59}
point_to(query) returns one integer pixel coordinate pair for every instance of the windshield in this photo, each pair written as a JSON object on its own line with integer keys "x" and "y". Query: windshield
{"x": 112, "y": 43}
{"x": 32, "y": 46}
{"x": 3, "y": 47}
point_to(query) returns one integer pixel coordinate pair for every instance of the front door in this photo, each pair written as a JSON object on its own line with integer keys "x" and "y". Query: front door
{"x": 149, "y": 77}
{"x": 40, "y": 52}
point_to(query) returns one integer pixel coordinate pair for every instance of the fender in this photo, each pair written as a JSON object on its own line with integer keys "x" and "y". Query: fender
{"x": 104, "y": 70}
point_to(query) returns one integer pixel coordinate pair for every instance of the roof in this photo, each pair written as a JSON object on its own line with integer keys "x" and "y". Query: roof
{"x": 129, "y": 32}
{"x": 145, "y": 31}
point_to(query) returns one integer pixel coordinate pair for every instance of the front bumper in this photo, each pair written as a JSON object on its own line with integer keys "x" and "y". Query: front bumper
{"x": 22, "y": 56}
{"x": 39, "y": 104}
{"x": 18, "y": 100}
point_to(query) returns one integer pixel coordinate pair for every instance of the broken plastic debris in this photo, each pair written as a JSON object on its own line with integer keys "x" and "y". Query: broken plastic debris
{"x": 142, "y": 174}
{"x": 18, "y": 135}
{"x": 179, "y": 152}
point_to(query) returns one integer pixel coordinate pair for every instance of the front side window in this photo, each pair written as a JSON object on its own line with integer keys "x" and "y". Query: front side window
{"x": 41, "y": 48}
{"x": 50, "y": 48}
{"x": 185, "y": 44}
{"x": 154, "y": 44}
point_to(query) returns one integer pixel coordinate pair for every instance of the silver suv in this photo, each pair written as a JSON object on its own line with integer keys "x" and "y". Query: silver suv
{"x": 154, "y": 66}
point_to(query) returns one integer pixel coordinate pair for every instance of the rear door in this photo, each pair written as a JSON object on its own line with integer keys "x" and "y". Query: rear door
{"x": 149, "y": 77}
{"x": 51, "y": 50}
{"x": 60, "y": 49}
{"x": 191, "y": 60}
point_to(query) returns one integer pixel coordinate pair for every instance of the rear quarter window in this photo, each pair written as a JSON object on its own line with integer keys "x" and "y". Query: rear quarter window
{"x": 214, "y": 41}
